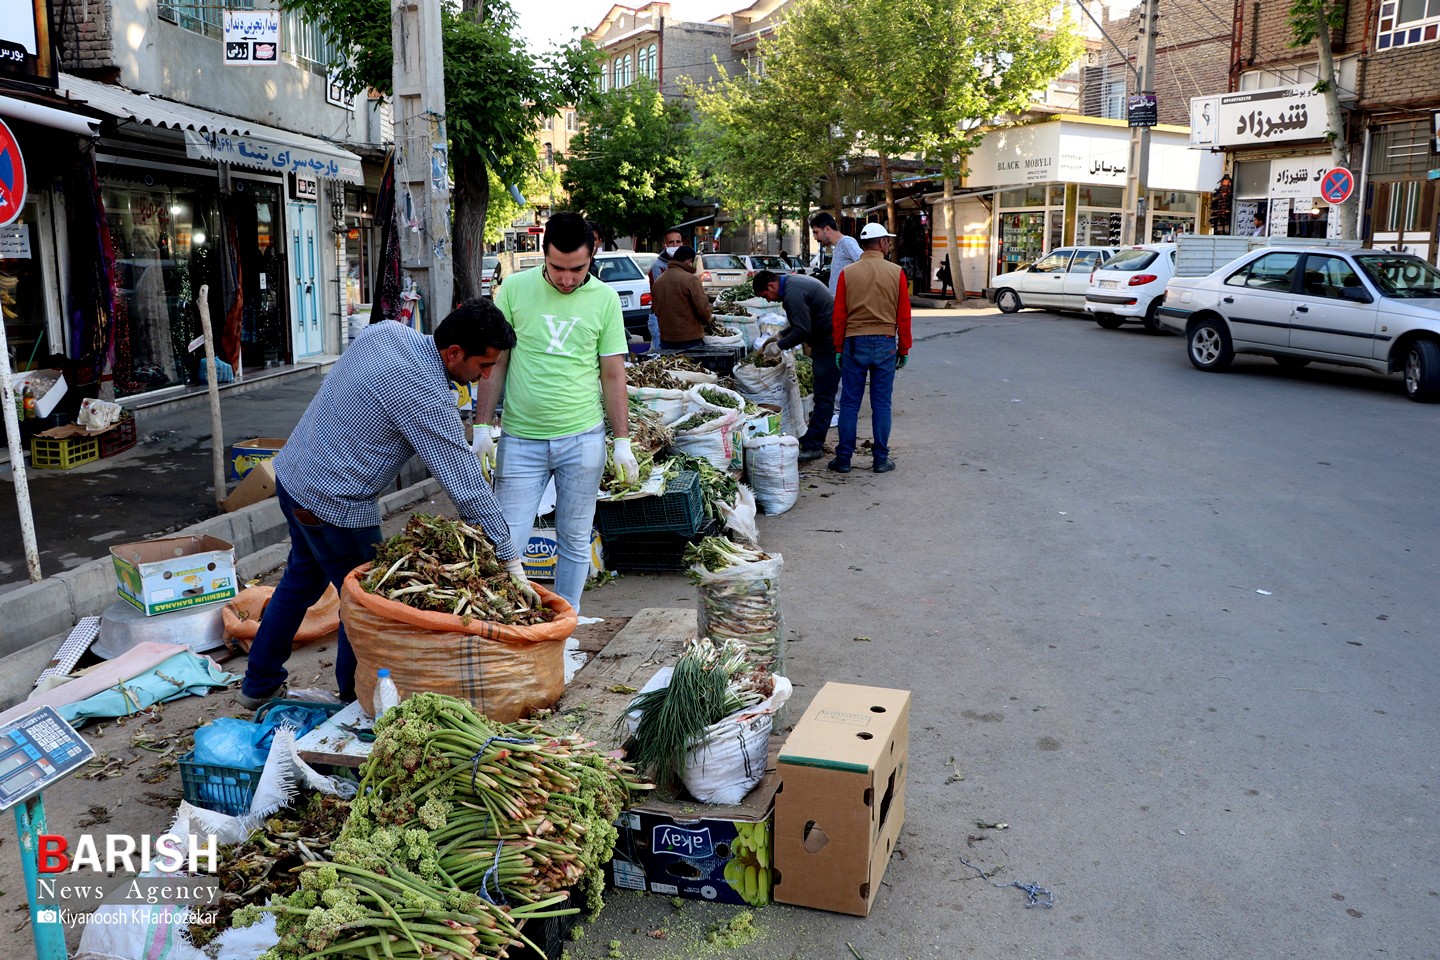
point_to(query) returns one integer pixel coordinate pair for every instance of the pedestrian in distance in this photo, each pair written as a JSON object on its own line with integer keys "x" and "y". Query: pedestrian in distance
{"x": 943, "y": 275}
{"x": 846, "y": 251}
{"x": 562, "y": 379}
{"x": 672, "y": 241}
{"x": 680, "y": 303}
{"x": 808, "y": 312}
{"x": 872, "y": 341}
{"x": 386, "y": 399}
{"x": 1257, "y": 227}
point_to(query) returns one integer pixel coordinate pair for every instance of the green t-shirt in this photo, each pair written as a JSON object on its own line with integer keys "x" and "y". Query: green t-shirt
{"x": 552, "y": 384}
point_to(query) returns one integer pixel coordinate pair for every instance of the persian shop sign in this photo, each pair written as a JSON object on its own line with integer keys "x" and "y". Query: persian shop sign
{"x": 1277, "y": 115}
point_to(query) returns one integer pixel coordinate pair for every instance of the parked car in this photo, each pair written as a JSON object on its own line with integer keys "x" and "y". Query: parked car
{"x": 645, "y": 261}
{"x": 1364, "y": 308}
{"x": 721, "y": 271}
{"x": 619, "y": 269}
{"x": 797, "y": 264}
{"x": 754, "y": 264}
{"x": 1130, "y": 285}
{"x": 487, "y": 275}
{"x": 1057, "y": 281}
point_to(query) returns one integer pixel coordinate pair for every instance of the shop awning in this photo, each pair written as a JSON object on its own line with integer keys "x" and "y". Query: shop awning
{"x": 48, "y": 116}
{"x": 218, "y": 137}
{"x": 697, "y": 220}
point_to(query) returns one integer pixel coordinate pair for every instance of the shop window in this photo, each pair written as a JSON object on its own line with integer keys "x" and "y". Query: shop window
{"x": 1407, "y": 22}
{"x": 1252, "y": 179}
{"x": 22, "y": 291}
{"x": 1176, "y": 202}
{"x": 1026, "y": 197}
{"x": 1101, "y": 197}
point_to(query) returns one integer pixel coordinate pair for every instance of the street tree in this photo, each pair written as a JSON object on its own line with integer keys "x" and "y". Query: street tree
{"x": 1311, "y": 21}
{"x": 925, "y": 76}
{"x": 496, "y": 93}
{"x": 632, "y": 165}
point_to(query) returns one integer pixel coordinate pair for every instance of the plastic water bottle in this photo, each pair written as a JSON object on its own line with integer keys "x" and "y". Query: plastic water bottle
{"x": 386, "y": 696}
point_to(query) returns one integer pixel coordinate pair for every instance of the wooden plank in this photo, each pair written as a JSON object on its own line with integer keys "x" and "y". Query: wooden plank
{"x": 652, "y": 639}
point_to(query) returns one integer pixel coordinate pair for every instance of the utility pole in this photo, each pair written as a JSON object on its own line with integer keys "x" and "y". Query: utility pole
{"x": 1137, "y": 185}
{"x": 422, "y": 154}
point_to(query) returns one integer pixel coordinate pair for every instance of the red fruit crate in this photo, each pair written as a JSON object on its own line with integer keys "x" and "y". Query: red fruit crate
{"x": 120, "y": 439}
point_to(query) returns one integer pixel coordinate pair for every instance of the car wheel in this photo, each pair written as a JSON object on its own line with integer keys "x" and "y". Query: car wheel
{"x": 1152, "y": 318}
{"x": 1292, "y": 363}
{"x": 1008, "y": 301}
{"x": 1108, "y": 320}
{"x": 1422, "y": 371}
{"x": 1209, "y": 345}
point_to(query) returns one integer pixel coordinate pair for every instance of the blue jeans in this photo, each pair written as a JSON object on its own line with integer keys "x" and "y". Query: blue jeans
{"x": 319, "y": 555}
{"x": 827, "y": 382}
{"x": 523, "y": 468}
{"x": 872, "y": 356}
{"x": 653, "y": 322}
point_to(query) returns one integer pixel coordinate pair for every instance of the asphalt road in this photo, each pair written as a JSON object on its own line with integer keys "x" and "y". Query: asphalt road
{"x": 1175, "y": 629}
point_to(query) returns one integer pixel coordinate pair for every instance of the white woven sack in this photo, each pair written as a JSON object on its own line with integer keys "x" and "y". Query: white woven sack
{"x": 774, "y": 466}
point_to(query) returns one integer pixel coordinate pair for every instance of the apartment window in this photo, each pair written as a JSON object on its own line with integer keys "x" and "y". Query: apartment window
{"x": 1114, "y": 106}
{"x": 1406, "y": 22}
{"x": 571, "y": 125}
{"x": 200, "y": 16}
{"x": 648, "y": 62}
{"x": 622, "y": 71}
{"x": 304, "y": 44}
{"x": 549, "y": 123}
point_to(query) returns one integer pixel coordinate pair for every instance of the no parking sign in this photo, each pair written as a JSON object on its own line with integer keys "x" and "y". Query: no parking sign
{"x": 12, "y": 177}
{"x": 1337, "y": 185}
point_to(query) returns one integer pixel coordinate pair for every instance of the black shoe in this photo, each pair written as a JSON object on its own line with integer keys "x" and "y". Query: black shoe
{"x": 839, "y": 466}
{"x": 807, "y": 454}
{"x": 884, "y": 466}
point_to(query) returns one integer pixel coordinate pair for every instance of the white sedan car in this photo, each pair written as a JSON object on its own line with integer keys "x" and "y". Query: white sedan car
{"x": 1129, "y": 286}
{"x": 1361, "y": 308}
{"x": 1057, "y": 281}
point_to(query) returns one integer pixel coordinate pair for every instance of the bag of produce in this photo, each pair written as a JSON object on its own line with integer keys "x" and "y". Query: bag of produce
{"x": 738, "y": 516}
{"x": 774, "y": 467}
{"x": 711, "y": 435}
{"x": 730, "y": 759}
{"x": 739, "y": 591}
{"x": 671, "y": 405}
{"x": 442, "y": 615}
{"x": 714, "y": 397}
{"x": 735, "y": 338}
{"x": 243, "y": 614}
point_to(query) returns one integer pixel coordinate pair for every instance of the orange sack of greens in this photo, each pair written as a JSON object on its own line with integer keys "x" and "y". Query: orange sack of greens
{"x": 242, "y": 617}
{"x": 505, "y": 672}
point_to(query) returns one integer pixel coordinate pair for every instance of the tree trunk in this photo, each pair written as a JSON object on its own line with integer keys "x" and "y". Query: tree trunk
{"x": 804, "y": 208}
{"x": 835, "y": 191}
{"x": 1335, "y": 121}
{"x": 890, "y": 217}
{"x": 952, "y": 242}
{"x": 471, "y": 199}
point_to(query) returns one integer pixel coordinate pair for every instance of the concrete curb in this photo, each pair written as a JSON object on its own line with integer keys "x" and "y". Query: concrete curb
{"x": 35, "y": 618}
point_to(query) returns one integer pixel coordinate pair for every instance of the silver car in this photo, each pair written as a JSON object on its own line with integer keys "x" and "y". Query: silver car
{"x": 1057, "y": 281}
{"x": 1363, "y": 308}
{"x": 720, "y": 271}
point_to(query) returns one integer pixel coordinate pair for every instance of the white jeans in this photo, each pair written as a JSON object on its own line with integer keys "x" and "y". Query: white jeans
{"x": 523, "y": 468}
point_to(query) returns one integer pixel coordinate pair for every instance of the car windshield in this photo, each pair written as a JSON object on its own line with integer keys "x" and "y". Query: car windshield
{"x": 769, "y": 263}
{"x": 613, "y": 269}
{"x": 1130, "y": 260}
{"x": 490, "y": 262}
{"x": 1401, "y": 276}
{"x": 721, "y": 261}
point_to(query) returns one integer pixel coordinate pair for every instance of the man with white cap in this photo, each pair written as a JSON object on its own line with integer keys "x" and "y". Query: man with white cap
{"x": 871, "y": 325}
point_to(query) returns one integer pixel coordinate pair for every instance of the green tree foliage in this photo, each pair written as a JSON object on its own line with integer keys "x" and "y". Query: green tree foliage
{"x": 496, "y": 93}
{"x": 1311, "y": 22}
{"x": 633, "y": 162}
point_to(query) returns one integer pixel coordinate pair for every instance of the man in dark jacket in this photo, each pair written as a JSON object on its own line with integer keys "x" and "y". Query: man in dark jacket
{"x": 808, "y": 307}
{"x": 671, "y": 243}
{"x": 679, "y": 301}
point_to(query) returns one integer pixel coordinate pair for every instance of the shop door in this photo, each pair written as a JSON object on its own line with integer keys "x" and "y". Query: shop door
{"x": 306, "y": 337}
{"x": 261, "y": 244}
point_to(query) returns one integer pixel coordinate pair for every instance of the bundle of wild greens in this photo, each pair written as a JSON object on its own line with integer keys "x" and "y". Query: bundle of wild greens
{"x": 708, "y": 684}
{"x": 613, "y": 481}
{"x": 736, "y": 294}
{"x": 722, "y": 399}
{"x": 697, "y": 419}
{"x": 676, "y": 361}
{"x": 717, "y": 553}
{"x": 739, "y": 594}
{"x": 758, "y": 359}
{"x": 805, "y": 373}
{"x": 446, "y": 565}
{"x": 647, "y": 431}
{"x": 654, "y": 376}
{"x": 716, "y": 485}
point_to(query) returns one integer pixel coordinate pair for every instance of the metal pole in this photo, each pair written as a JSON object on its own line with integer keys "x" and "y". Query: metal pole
{"x": 45, "y": 927}
{"x": 1137, "y": 187}
{"x": 217, "y": 433}
{"x": 17, "y": 463}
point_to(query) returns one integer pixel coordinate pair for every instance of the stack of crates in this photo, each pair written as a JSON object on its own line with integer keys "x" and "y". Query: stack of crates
{"x": 651, "y": 533}
{"x": 120, "y": 439}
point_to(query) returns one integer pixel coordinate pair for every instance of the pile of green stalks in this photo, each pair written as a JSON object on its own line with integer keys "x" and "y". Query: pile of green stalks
{"x": 613, "y": 481}
{"x": 716, "y": 485}
{"x": 805, "y": 373}
{"x": 446, "y": 565}
{"x": 650, "y": 374}
{"x": 461, "y": 829}
{"x": 721, "y": 399}
{"x": 697, "y": 419}
{"x": 758, "y": 359}
{"x": 708, "y": 684}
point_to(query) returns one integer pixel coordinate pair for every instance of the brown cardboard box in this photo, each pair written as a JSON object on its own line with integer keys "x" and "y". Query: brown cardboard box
{"x": 842, "y": 799}
{"x": 245, "y": 454}
{"x": 259, "y": 484}
{"x": 158, "y": 576}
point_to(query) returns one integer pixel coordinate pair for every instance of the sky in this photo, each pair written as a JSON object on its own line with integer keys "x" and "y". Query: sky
{"x": 545, "y": 21}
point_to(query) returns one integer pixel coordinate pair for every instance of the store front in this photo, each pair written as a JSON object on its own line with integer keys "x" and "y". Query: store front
{"x": 1284, "y": 192}
{"x": 1062, "y": 181}
{"x": 1403, "y": 203}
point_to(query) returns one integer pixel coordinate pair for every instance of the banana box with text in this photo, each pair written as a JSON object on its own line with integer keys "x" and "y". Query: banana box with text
{"x": 699, "y": 851}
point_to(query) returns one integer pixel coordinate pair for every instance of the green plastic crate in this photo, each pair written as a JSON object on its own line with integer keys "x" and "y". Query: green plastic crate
{"x": 679, "y": 510}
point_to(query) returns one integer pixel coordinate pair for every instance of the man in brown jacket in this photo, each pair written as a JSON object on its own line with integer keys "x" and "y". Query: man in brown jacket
{"x": 679, "y": 301}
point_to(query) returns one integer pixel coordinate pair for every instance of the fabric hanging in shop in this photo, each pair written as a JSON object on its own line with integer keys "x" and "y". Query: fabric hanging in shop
{"x": 387, "y": 280}
{"x": 93, "y": 346}
{"x": 228, "y": 349}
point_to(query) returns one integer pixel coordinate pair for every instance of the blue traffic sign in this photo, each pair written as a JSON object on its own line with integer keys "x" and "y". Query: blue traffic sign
{"x": 1337, "y": 185}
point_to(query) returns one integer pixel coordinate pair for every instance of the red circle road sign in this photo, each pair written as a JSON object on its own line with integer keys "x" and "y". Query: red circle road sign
{"x": 12, "y": 177}
{"x": 1337, "y": 185}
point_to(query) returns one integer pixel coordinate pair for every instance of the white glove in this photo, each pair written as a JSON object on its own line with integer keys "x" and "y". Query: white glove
{"x": 771, "y": 349}
{"x": 516, "y": 569}
{"x": 482, "y": 441}
{"x": 625, "y": 459}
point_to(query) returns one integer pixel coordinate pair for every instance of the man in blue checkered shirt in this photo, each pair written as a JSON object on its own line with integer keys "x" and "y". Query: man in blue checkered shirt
{"x": 387, "y": 399}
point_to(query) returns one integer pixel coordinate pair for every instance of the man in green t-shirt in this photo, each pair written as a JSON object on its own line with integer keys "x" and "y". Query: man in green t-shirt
{"x": 565, "y": 375}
